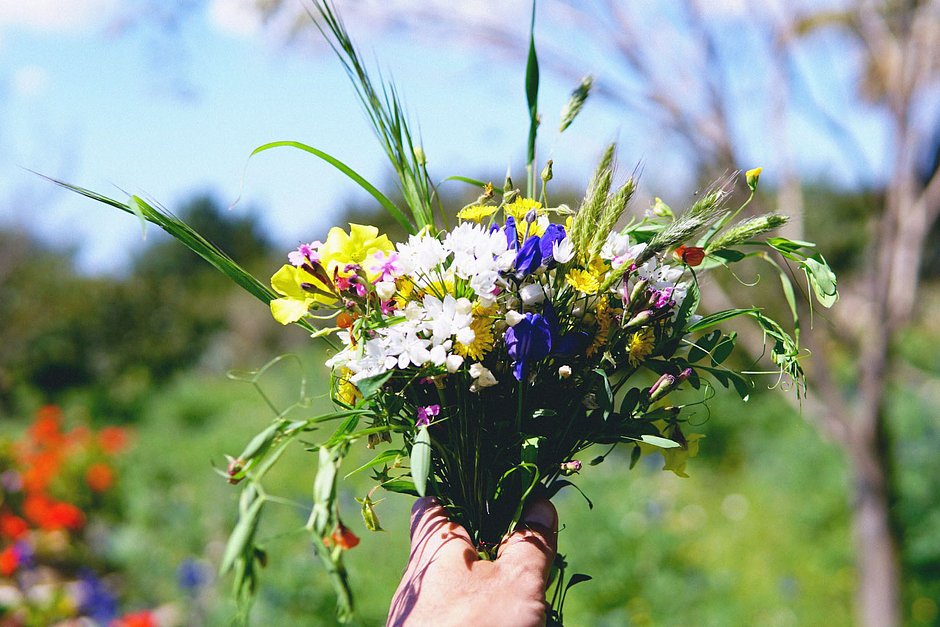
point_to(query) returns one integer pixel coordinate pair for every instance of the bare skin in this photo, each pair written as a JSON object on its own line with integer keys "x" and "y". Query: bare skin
{"x": 446, "y": 583}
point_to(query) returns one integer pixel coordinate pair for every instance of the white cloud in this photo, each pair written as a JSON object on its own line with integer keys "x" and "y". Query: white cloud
{"x": 30, "y": 81}
{"x": 235, "y": 17}
{"x": 56, "y": 15}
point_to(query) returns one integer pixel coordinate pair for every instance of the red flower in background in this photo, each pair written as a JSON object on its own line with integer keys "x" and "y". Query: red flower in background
{"x": 45, "y": 430}
{"x": 52, "y": 515}
{"x": 99, "y": 477}
{"x": 9, "y": 561}
{"x": 12, "y": 527}
{"x": 136, "y": 619}
{"x": 112, "y": 440}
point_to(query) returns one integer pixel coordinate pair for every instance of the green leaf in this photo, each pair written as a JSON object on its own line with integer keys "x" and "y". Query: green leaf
{"x": 421, "y": 460}
{"x": 724, "y": 348}
{"x": 371, "y": 385}
{"x": 728, "y": 255}
{"x": 471, "y": 181}
{"x": 655, "y": 440}
{"x": 401, "y": 486}
{"x": 382, "y": 199}
{"x": 822, "y": 279}
{"x": 719, "y": 317}
{"x": 532, "y": 90}
{"x": 785, "y": 245}
{"x": 385, "y": 457}
{"x": 242, "y": 535}
{"x": 635, "y": 456}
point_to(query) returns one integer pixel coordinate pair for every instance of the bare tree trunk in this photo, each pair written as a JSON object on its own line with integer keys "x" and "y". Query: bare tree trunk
{"x": 878, "y": 591}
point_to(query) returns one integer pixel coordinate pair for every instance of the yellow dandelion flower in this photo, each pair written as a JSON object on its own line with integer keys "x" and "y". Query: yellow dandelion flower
{"x": 604, "y": 316}
{"x": 482, "y": 325}
{"x": 477, "y": 213}
{"x": 640, "y": 346}
{"x": 584, "y": 281}
{"x": 521, "y": 206}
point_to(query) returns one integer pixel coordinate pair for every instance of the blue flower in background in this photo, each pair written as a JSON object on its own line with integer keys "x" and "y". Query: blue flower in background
{"x": 528, "y": 340}
{"x": 95, "y": 600}
{"x": 191, "y": 575}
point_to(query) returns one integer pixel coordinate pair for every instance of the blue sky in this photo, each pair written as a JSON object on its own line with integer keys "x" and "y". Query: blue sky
{"x": 169, "y": 116}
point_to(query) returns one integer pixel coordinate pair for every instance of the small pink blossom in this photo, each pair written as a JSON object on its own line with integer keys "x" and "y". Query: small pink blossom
{"x": 305, "y": 253}
{"x": 426, "y": 413}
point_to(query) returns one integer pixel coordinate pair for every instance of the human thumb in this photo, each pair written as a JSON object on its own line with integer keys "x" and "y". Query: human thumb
{"x": 530, "y": 549}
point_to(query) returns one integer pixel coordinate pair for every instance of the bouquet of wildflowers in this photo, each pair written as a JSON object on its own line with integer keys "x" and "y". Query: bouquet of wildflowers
{"x": 482, "y": 360}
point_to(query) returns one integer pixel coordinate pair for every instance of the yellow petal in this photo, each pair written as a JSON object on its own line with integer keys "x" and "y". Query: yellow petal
{"x": 287, "y": 310}
{"x": 287, "y": 280}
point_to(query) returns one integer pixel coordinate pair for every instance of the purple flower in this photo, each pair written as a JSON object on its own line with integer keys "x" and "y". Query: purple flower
{"x": 529, "y": 258}
{"x": 528, "y": 340}
{"x": 553, "y": 233}
{"x": 425, "y": 413}
{"x": 662, "y": 298}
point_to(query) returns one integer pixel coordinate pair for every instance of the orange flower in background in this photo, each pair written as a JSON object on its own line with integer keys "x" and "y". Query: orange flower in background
{"x": 12, "y": 526}
{"x": 99, "y": 477}
{"x": 9, "y": 561}
{"x": 45, "y": 430}
{"x": 112, "y": 439}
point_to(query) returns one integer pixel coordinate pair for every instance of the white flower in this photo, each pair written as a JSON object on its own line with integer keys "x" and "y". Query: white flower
{"x": 563, "y": 251}
{"x": 385, "y": 289}
{"x": 453, "y": 363}
{"x": 532, "y": 294}
{"x": 483, "y": 377}
{"x": 564, "y": 372}
{"x": 513, "y": 318}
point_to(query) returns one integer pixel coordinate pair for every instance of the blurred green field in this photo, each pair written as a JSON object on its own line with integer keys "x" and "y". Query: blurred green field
{"x": 758, "y": 534}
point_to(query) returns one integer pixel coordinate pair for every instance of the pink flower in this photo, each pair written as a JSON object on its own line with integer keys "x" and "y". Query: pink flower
{"x": 305, "y": 253}
{"x": 425, "y": 414}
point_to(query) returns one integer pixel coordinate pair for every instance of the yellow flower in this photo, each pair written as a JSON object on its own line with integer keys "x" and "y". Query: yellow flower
{"x": 342, "y": 249}
{"x": 295, "y": 301}
{"x": 476, "y": 213}
{"x": 584, "y": 281}
{"x": 482, "y": 325}
{"x": 752, "y": 176}
{"x": 604, "y": 317}
{"x": 640, "y": 346}
{"x": 346, "y": 391}
{"x": 521, "y": 206}
{"x": 675, "y": 458}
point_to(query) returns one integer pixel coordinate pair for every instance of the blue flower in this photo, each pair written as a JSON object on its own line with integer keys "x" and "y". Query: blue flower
{"x": 191, "y": 575}
{"x": 529, "y": 258}
{"x": 553, "y": 233}
{"x": 96, "y": 601}
{"x": 512, "y": 240}
{"x": 570, "y": 343}
{"x": 528, "y": 340}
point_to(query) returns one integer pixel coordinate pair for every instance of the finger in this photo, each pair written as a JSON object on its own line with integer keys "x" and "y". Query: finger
{"x": 435, "y": 538}
{"x": 530, "y": 550}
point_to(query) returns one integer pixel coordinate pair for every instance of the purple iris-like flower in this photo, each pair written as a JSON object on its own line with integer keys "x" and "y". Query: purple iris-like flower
{"x": 529, "y": 258}
{"x": 528, "y": 340}
{"x": 425, "y": 414}
{"x": 511, "y": 235}
{"x": 663, "y": 298}
{"x": 553, "y": 233}
{"x": 570, "y": 343}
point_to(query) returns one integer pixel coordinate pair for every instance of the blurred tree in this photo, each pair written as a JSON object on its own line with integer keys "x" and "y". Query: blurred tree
{"x": 695, "y": 71}
{"x": 63, "y": 331}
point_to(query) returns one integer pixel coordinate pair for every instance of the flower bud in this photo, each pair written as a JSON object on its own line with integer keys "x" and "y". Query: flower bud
{"x": 663, "y": 386}
{"x": 547, "y": 172}
{"x": 513, "y": 317}
{"x": 420, "y": 157}
{"x": 564, "y": 372}
{"x": 639, "y": 320}
{"x": 235, "y": 470}
{"x": 385, "y": 289}
{"x": 570, "y": 467}
{"x": 752, "y": 176}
